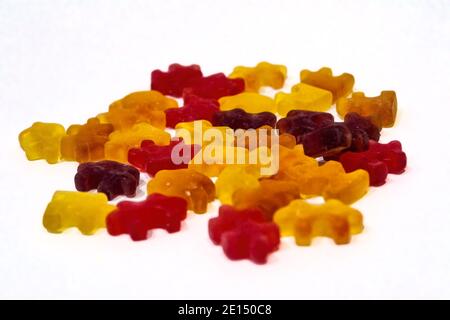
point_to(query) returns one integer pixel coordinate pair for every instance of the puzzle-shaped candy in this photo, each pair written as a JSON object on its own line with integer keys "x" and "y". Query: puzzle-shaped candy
{"x": 306, "y": 221}
{"x": 299, "y": 122}
{"x": 85, "y": 211}
{"x": 269, "y": 196}
{"x": 378, "y": 161}
{"x": 195, "y": 108}
{"x": 137, "y": 218}
{"x": 303, "y": 97}
{"x": 381, "y": 110}
{"x": 121, "y": 141}
{"x": 249, "y": 101}
{"x": 327, "y": 141}
{"x": 196, "y": 188}
{"x": 109, "y": 177}
{"x": 239, "y": 119}
{"x": 177, "y": 78}
{"x": 215, "y": 87}
{"x": 339, "y": 86}
{"x": 152, "y": 158}
{"x": 262, "y": 75}
{"x": 42, "y": 141}
{"x": 137, "y": 107}
{"x": 86, "y": 142}
{"x": 244, "y": 234}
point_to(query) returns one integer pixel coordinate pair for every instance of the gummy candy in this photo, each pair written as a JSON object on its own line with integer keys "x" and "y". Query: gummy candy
{"x": 137, "y": 107}
{"x": 269, "y": 196}
{"x": 109, "y": 177}
{"x": 233, "y": 178}
{"x": 196, "y": 188}
{"x": 177, "y": 78}
{"x": 378, "y": 161}
{"x": 195, "y": 108}
{"x": 381, "y": 110}
{"x": 327, "y": 141}
{"x": 137, "y": 218}
{"x": 86, "y": 142}
{"x": 339, "y": 86}
{"x": 262, "y": 75}
{"x": 215, "y": 86}
{"x": 305, "y": 221}
{"x": 244, "y": 234}
{"x": 300, "y": 122}
{"x": 239, "y": 119}
{"x": 85, "y": 211}
{"x": 42, "y": 141}
{"x": 284, "y": 139}
{"x": 362, "y": 130}
{"x": 303, "y": 97}
{"x": 249, "y": 101}
{"x": 121, "y": 141}
{"x": 152, "y": 158}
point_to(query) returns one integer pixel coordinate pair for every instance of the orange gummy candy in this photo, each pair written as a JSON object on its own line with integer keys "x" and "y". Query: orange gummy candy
{"x": 381, "y": 110}
{"x": 196, "y": 188}
{"x": 269, "y": 196}
{"x": 263, "y": 74}
{"x": 84, "y": 143}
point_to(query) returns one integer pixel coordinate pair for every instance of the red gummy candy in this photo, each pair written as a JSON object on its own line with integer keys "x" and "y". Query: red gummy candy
{"x": 378, "y": 161}
{"x": 195, "y": 108}
{"x": 327, "y": 141}
{"x": 177, "y": 78}
{"x": 244, "y": 234}
{"x": 136, "y": 218}
{"x": 216, "y": 86}
{"x": 152, "y": 158}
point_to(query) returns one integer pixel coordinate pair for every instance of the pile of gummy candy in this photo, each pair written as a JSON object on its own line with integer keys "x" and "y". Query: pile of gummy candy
{"x": 318, "y": 157}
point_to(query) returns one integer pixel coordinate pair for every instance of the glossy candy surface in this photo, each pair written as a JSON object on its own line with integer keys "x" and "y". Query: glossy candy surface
{"x": 244, "y": 234}
{"x": 340, "y": 86}
{"x": 251, "y": 102}
{"x": 195, "y": 108}
{"x": 137, "y": 218}
{"x": 381, "y": 110}
{"x": 215, "y": 87}
{"x": 262, "y": 75}
{"x": 176, "y": 79}
{"x": 109, "y": 177}
{"x": 42, "y": 141}
{"x": 85, "y": 211}
{"x": 196, "y": 188}
{"x": 306, "y": 221}
{"x": 152, "y": 158}
{"x": 239, "y": 119}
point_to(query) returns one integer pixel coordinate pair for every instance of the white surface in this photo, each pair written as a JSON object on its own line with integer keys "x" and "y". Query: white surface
{"x": 63, "y": 61}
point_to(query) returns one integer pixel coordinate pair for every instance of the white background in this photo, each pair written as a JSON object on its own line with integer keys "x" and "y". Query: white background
{"x": 64, "y": 61}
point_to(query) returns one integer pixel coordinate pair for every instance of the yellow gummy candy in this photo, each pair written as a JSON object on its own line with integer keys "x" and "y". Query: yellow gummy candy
{"x": 262, "y": 75}
{"x": 249, "y": 101}
{"x": 42, "y": 141}
{"x": 85, "y": 211}
{"x": 303, "y": 97}
{"x": 306, "y": 221}
{"x": 122, "y": 140}
{"x": 233, "y": 178}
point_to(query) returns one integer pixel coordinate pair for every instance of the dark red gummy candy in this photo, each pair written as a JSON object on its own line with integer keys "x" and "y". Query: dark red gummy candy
{"x": 362, "y": 130}
{"x": 327, "y": 141}
{"x": 378, "y": 161}
{"x": 152, "y": 158}
{"x": 300, "y": 122}
{"x": 109, "y": 177}
{"x": 137, "y": 218}
{"x": 239, "y": 119}
{"x": 215, "y": 86}
{"x": 175, "y": 79}
{"x": 195, "y": 108}
{"x": 244, "y": 234}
